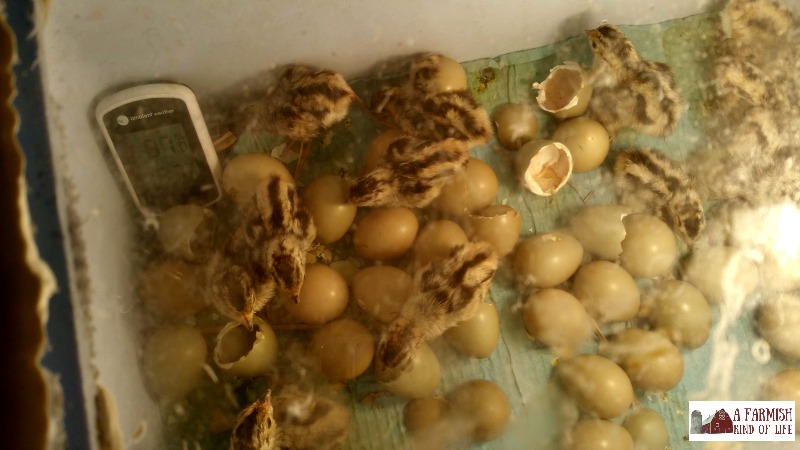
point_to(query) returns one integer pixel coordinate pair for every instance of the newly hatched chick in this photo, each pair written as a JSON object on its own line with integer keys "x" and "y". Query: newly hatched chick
{"x": 446, "y": 292}
{"x": 452, "y": 114}
{"x": 630, "y": 92}
{"x": 305, "y": 101}
{"x": 310, "y": 421}
{"x": 267, "y": 250}
{"x": 255, "y": 427}
{"x": 412, "y": 173}
{"x": 289, "y": 232}
{"x": 239, "y": 281}
{"x": 649, "y": 181}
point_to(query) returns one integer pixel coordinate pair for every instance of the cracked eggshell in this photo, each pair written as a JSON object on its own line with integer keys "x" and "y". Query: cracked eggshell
{"x": 543, "y": 167}
{"x": 600, "y": 230}
{"x": 498, "y": 225}
{"x": 246, "y": 353}
{"x": 565, "y": 92}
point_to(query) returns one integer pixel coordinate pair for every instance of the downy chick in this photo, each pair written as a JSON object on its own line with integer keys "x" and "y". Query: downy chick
{"x": 255, "y": 427}
{"x": 649, "y": 181}
{"x": 412, "y": 173}
{"x": 445, "y": 293}
{"x": 630, "y": 92}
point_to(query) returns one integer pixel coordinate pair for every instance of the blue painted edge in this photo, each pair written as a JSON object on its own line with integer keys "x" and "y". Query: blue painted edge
{"x": 61, "y": 356}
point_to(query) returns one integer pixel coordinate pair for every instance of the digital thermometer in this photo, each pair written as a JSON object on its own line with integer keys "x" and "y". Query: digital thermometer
{"x": 161, "y": 145}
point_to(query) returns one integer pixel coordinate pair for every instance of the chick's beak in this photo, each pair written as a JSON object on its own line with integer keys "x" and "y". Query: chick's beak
{"x": 247, "y": 320}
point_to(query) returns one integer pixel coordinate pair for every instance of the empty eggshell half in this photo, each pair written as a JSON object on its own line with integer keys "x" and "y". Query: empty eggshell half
{"x": 246, "y": 353}
{"x": 565, "y": 92}
{"x": 543, "y": 167}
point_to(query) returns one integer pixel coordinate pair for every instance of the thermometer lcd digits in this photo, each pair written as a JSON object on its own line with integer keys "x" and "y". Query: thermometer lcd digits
{"x": 161, "y": 145}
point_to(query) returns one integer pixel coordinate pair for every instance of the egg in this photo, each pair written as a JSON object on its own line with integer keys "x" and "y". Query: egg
{"x": 436, "y": 239}
{"x": 558, "y": 320}
{"x": 322, "y": 298}
{"x": 587, "y": 140}
{"x": 343, "y": 349}
{"x": 478, "y": 336}
{"x": 547, "y": 259}
{"x": 600, "y": 230}
{"x": 679, "y": 311}
{"x": 381, "y": 291}
{"x": 607, "y": 291}
{"x": 417, "y": 380}
{"x": 516, "y": 125}
{"x": 246, "y": 353}
{"x": 326, "y": 201}
{"x": 649, "y": 248}
{"x": 173, "y": 360}
{"x": 599, "y": 386}
{"x": 385, "y": 233}
{"x": 470, "y": 190}
{"x": 498, "y": 225}
{"x": 242, "y": 175}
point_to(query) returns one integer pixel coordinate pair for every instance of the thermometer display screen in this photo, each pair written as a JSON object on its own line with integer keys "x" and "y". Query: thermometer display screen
{"x": 158, "y": 147}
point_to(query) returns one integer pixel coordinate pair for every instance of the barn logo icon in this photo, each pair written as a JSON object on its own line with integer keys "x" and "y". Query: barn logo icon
{"x": 720, "y": 422}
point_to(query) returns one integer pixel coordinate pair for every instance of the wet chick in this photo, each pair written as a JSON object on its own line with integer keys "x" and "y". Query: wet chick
{"x": 452, "y": 114}
{"x": 255, "y": 427}
{"x": 411, "y": 174}
{"x": 649, "y": 181}
{"x": 288, "y": 233}
{"x": 239, "y": 281}
{"x": 305, "y": 102}
{"x": 630, "y": 92}
{"x": 446, "y": 292}
{"x": 310, "y": 421}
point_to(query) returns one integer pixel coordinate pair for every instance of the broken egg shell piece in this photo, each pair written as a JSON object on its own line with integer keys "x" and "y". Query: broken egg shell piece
{"x": 543, "y": 167}
{"x": 245, "y": 353}
{"x": 565, "y": 92}
{"x": 187, "y": 231}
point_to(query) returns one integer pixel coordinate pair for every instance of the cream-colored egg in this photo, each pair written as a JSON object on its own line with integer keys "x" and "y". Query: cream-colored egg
{"x": 649, "y": 248}
{"x": 323, "y": 296}
{"x": 600, "y": 230}
{"x": 172, "y": 289}
{"x": 598, "y": 434}
{"x": 558, "y": 320}
{"x": 547, "y": 259}
{"x": 481, "y": 407}
{"x": 478, "y": 336}
{"x": 385, "y": 233}
{"x": 607, "y": 291}
{"x": 343, "y": 348}
{"x": 421, "y": 414}
{"x": 648, "y": 429}
{"x": 436, "y": 239}
{"x": 498, "y": 225}
{"x": 543, "y": 167}
{"x": 599, "y": 386}
{"x": 173, "y": 361}
{"x": 778, "y": 321}
{"x": 721, "y": 272}
{"x": 242, "y": 175}
{"x": 783, "y": 386}
{"x": 187, "y": 231}
{"x": 381, "y": 291}
{"x": 246, "y": 353}
{"x": 378, "y": 147}
{"x": 652, "y": 362}
{"x": 435, "y": 73}
{"x": 679, "y": 311}
{"x": 587, "y": 141}
{"x": 470, "y": 190}
{"x": 326, "y": 200}
{"x": 565, "y": 92}
{"x": 516, "y": 125}
{"x": 417, "y": 380}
